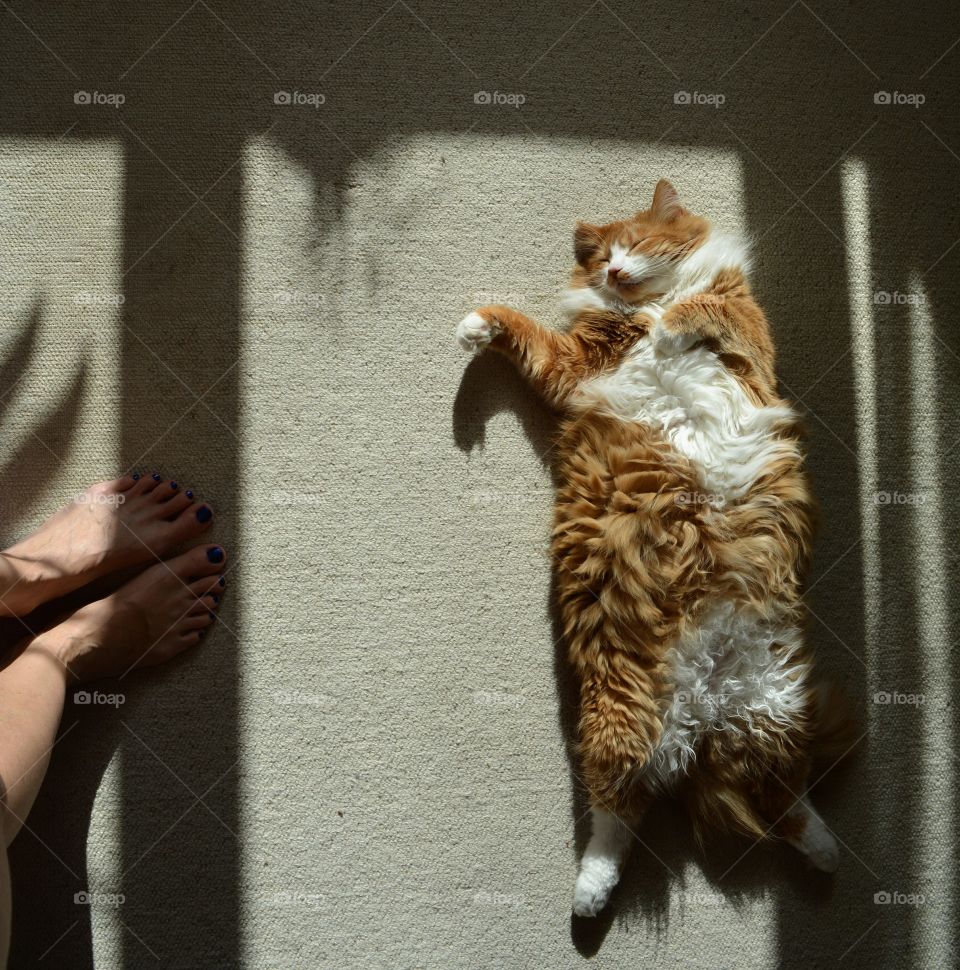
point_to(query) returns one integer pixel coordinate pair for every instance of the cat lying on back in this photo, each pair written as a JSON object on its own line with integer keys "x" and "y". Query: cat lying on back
{"x": 683, "y": 527}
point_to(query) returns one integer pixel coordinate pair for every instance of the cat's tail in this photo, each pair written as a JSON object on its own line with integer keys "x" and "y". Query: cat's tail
{"x": 756, "y": 783}
{"x": 722, "y": 796}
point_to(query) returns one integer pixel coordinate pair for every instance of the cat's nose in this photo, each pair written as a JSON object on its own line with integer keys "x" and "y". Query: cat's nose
{"x": 614, "y": 271}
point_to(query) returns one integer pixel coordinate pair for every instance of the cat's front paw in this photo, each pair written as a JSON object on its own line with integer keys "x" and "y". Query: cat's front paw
{"x": 474, "y": 332}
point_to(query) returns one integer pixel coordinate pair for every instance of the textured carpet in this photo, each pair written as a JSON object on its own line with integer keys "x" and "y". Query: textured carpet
{"x": 366, "y": 766}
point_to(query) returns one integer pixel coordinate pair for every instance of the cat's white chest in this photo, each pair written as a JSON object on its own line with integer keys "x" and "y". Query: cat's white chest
{"x": 684, "y": 392}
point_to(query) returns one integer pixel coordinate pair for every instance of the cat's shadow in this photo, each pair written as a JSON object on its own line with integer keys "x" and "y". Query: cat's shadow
{"x": 653, "y": 888}
{"x": 490, "y": 385}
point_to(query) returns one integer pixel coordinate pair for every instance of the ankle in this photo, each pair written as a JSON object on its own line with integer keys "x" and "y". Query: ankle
{"x": 47, "y": 652}
{"x": 19, "y": 584}
{"x": 82, "y": 643}
{"x": 28, "y": 580}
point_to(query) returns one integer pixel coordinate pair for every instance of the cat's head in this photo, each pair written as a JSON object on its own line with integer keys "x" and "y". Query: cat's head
{"x": 638, "y": 259}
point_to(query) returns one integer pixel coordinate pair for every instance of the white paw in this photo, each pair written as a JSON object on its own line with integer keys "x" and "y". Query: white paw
{"x": 474, "y": 332}
{"x": 591, "y": 894}
{"x": 822, "y": 851}
{"x": 816, "y": 841}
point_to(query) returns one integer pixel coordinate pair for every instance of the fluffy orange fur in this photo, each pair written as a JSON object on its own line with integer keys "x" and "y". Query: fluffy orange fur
{"x": 636, "y": 559}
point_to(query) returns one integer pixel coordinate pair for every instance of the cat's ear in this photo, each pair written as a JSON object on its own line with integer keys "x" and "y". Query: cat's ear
{"x": 666, "y": 202}
{"x": 586, "y": 242}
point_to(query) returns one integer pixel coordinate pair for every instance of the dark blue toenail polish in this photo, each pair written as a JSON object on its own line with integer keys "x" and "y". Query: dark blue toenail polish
{"x": 155, "y": 477}
{"x": 173, "y": 484}
{"x": 215, "y": 598}
{"x": 215, "y": 554}
{"x": 136, "y": 476}
{"x": 205, "y": 515}
{"x": 223, "y": 581}
{"x": 188, "y": 493}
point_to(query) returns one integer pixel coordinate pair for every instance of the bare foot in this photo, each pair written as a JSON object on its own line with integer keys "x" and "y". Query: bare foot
{"x": 155, "y": 616}
{"x": 112, "y": 525}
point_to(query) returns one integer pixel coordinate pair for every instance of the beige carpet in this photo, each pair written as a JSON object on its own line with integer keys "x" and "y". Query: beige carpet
{"x": 367, "y": 765}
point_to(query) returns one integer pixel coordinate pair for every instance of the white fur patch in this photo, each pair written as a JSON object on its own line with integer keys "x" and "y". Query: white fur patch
{"x": 688, "y": 396}
{"x": 579, "y": 298}
{"x": 816, "y": 842}
{"x": 685, "y": 392}
{"x": 638, "y": 268}
{"x": 718, "y": 252}
{"x": 602, "y": 863}
{"x": 474, "y": 332}
{"x": 725, "y": 673}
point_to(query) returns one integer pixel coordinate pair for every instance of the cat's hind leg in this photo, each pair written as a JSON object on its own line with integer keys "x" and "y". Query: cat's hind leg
{"x": 755, "y": 783}
{"x": 611, "y": 838}
{"x": 806, "y": 831}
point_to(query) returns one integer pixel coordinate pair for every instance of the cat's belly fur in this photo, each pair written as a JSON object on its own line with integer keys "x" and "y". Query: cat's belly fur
{"x": 733, "y": 671}
{"x": 685, "y": 394}
{"x": 689, "y": 564}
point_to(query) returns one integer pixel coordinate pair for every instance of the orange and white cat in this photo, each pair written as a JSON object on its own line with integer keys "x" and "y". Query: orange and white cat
{"x": 683, "y": 526}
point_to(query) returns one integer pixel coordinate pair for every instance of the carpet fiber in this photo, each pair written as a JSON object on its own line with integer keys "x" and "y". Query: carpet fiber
{"x": 247, "y": 275}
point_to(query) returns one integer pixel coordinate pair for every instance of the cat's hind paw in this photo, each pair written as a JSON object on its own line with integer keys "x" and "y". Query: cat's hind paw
{"x": 592, "y": 890}
{"x": 474, "y": 332}
{"x": 815, "y": 841}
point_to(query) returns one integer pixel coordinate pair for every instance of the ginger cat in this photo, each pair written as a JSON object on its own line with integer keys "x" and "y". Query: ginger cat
{"x": 682, "y": 532}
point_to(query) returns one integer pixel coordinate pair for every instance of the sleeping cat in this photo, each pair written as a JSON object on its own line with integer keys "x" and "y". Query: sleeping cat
{"x": 683, "y": 526}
